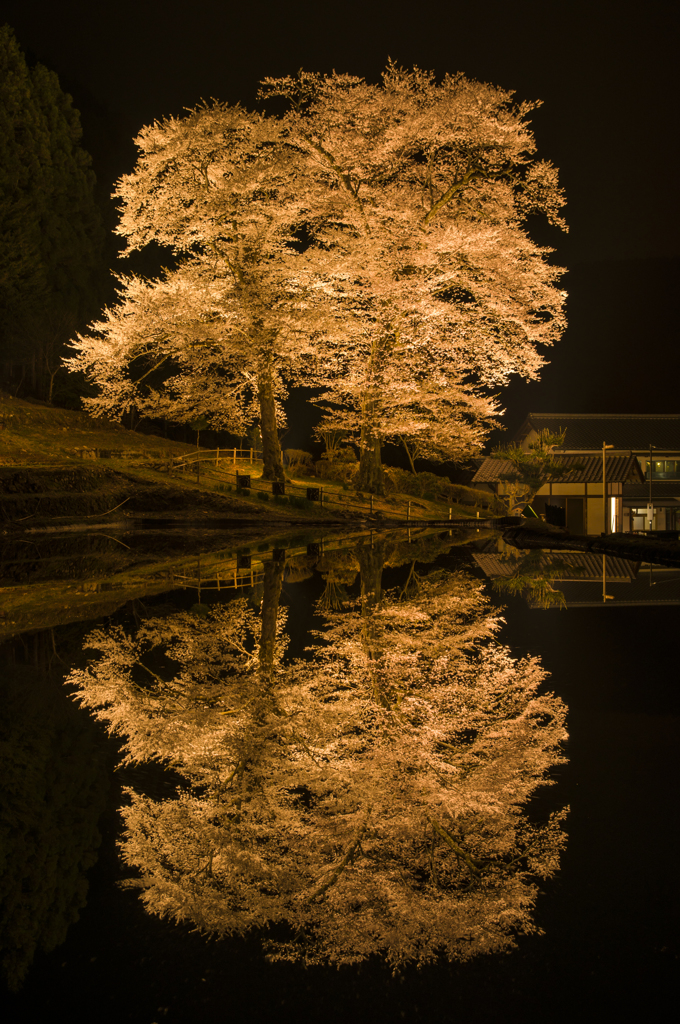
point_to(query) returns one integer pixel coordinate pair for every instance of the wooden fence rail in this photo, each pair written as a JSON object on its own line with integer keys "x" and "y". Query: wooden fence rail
{"x": 312, "y": 492}
{"x": 213, "y": 455}
{"x": 230, "y": 580}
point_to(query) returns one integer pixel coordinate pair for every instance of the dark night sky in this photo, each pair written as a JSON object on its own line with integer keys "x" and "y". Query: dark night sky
{"x": 605, "y": 70}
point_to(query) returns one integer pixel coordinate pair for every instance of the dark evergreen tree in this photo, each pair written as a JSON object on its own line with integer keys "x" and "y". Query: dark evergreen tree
{"x": 52, "y": 263}
{"x": 22, "y": 272}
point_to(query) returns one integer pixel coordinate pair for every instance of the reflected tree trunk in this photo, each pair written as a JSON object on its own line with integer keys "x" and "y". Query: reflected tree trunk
{"x": 371, "y": 561}
{"x": 273, "y": 577}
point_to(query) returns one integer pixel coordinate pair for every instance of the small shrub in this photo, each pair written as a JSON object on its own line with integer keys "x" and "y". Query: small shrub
{"x": 245, "y": 491}
{"x": 263, "y": 496}
{"x": 337, "y": 464}
{"x": 201, "y": 611}
{"x": 299, "y": 460}
{"x": 434, "y": 488}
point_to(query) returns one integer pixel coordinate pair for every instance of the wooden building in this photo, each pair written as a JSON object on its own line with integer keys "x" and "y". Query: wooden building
{"x": 642, "y": 493}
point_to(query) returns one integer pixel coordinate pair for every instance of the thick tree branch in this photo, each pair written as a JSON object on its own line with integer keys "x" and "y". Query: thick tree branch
{"x": 473, "y": 866}
{"x": 140, "y": 379}
{"x": 343, "y": 176}
{"x": 450, "y": 193}
{"x": 343, "y": 862}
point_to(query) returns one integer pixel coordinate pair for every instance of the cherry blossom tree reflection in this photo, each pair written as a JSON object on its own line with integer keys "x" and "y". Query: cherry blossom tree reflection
{"x": 367, "y": 800}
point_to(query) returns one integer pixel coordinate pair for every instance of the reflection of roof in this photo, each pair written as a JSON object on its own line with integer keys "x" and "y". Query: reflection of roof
{"x": 583, "y": 565}
{"x": 620, "y": 468}
{"x": 586, "y": 593}
{"x": 624, "y": 431}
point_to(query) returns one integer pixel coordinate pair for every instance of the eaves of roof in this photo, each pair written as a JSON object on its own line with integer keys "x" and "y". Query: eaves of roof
{"x": 579, "y": 469}
{"x": 661, "y": 489}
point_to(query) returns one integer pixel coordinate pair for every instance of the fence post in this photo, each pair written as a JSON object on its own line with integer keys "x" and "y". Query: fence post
{"x": 217, "y": 458}
{"x": 451, "y": 510}
{"x": 251, "y": 455}
{"x": 408, "y": 512}
{"x": 371, "y": 504}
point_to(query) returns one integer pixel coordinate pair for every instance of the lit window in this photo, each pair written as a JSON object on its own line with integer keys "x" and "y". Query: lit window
{"x": 664, "y": 469}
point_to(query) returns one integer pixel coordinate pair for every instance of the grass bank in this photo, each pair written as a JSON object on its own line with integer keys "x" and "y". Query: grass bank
{"x": 58, "y": 465}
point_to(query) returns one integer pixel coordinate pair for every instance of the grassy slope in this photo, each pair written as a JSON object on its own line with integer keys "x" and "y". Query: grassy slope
{"x": 38, "y": 441}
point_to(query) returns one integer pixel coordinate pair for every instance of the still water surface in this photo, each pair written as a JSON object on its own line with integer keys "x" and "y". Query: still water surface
{"x": 345, "y": 759}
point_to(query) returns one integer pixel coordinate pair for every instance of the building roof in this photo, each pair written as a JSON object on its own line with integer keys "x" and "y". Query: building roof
{"x": 491, "y": 471}
{"x": 584, "y": 469}
{"x": 624, "y": 431}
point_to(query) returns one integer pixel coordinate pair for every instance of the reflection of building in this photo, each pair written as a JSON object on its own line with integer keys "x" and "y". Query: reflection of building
{"x": 589, "y": 579}
{"x": 576, "y": 499}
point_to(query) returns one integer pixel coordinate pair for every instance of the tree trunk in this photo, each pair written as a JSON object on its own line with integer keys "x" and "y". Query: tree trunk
{"x": 272, "y": 468}
{"x": 371, "y": 477}
{"x": 410, "y": 457}
{"x": 52, "y": 374}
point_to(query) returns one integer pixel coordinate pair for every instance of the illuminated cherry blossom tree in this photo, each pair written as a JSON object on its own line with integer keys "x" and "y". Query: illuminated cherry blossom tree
{"x": 425, "y": 189}
{"x": 217, "y": 336}
{"x": 372, "y": 240}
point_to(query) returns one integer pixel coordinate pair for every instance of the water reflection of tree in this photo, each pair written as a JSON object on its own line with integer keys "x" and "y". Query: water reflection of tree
{"x": 531, "y": 575}
{"x": 366, "y": 800}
